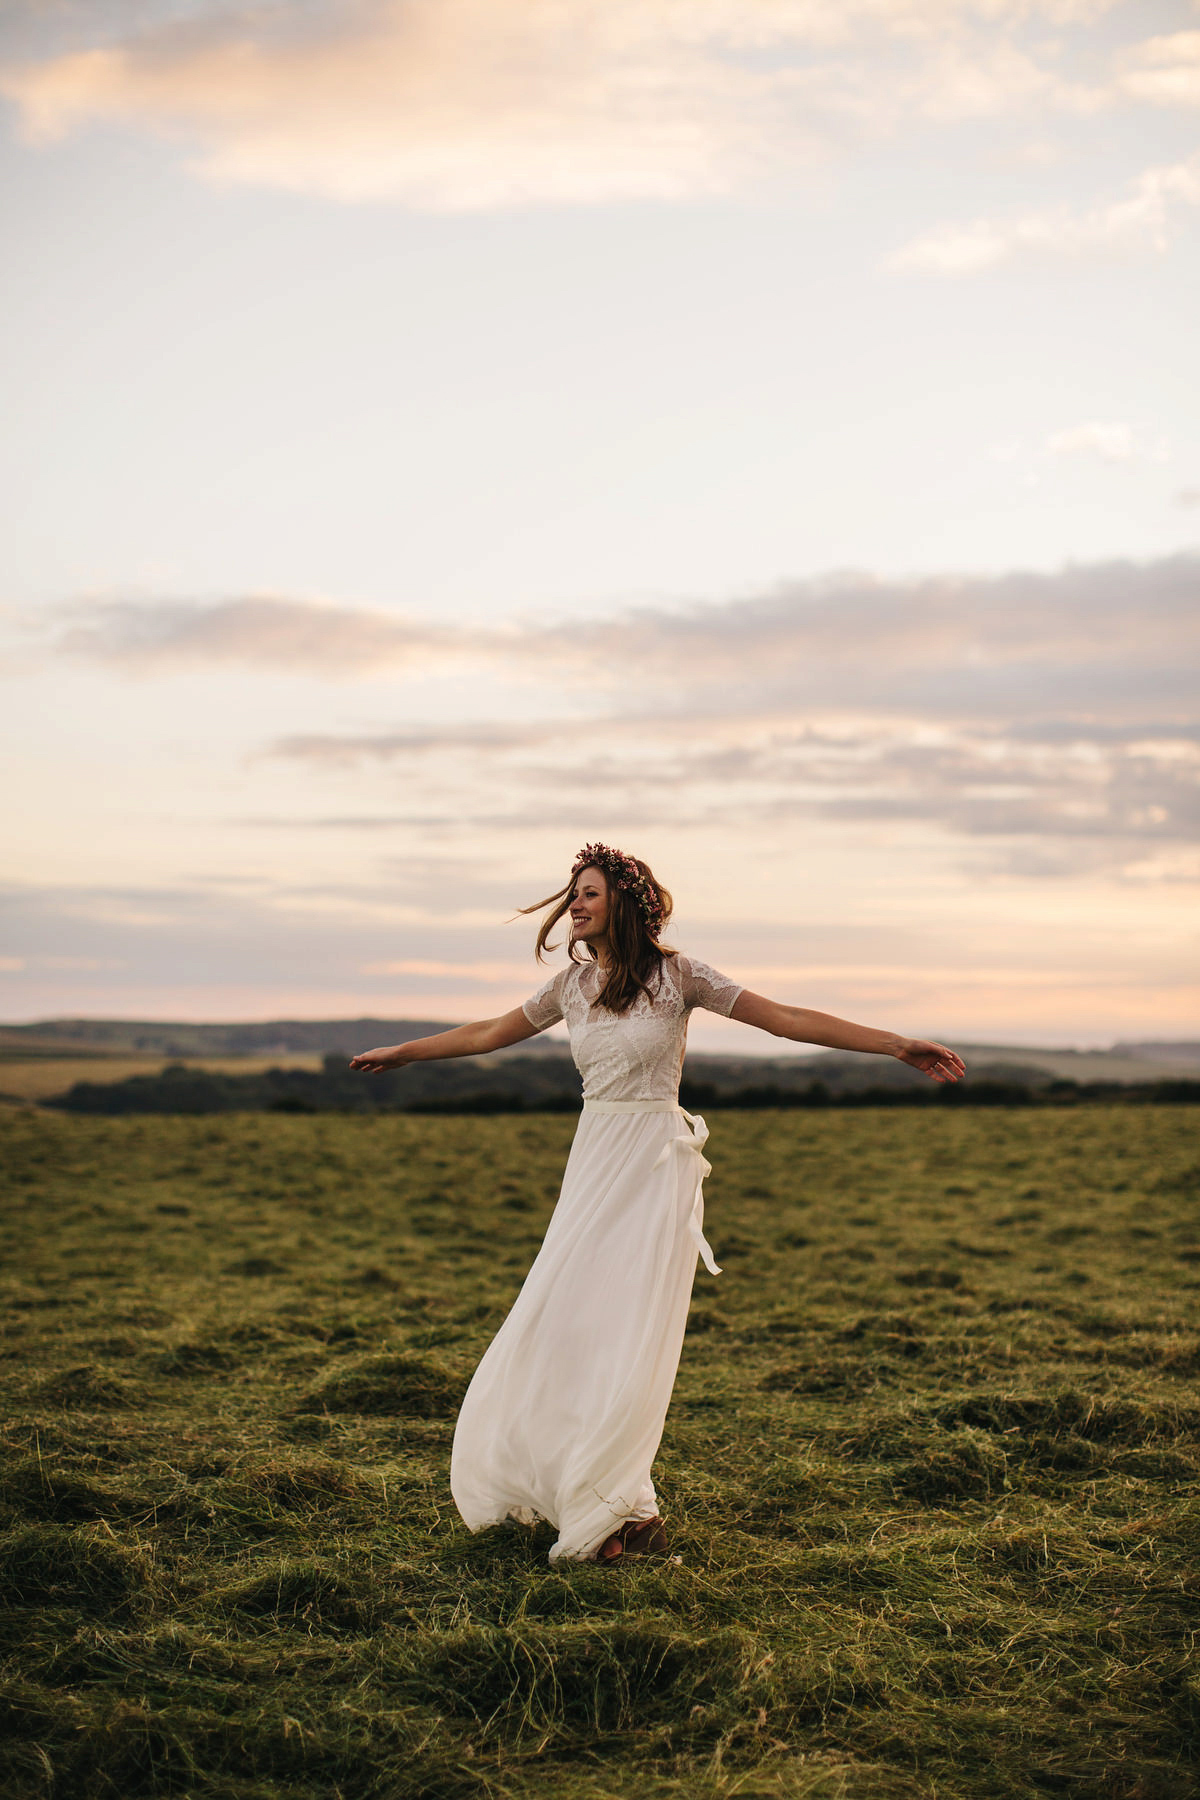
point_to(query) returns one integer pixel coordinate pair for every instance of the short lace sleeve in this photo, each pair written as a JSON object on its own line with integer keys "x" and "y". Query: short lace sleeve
{"x": 706, "y": 987}
{"x": 545, "y": 1007}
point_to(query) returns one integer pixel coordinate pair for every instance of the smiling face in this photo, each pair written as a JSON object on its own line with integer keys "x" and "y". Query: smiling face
{"x": 589, "y": 908}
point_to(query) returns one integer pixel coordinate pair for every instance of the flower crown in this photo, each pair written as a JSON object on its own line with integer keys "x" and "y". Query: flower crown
{"x": 624, "y": 873}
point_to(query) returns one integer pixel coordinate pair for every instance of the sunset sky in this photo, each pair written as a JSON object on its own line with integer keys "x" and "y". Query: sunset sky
{"x": 762, "y": 434}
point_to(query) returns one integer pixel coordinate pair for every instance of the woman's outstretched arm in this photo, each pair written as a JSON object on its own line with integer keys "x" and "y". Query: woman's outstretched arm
{"x": 805, "y": 1027}
{"x": 464, "y": 1040}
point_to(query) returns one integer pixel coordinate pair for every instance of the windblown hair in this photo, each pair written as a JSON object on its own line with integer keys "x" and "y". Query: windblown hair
{"x": 636, "y": 954}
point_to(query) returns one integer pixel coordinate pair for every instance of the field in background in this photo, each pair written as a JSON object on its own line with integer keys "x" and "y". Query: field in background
{"x": 932, "y": 1468}
{"x": 42, "y": 1077}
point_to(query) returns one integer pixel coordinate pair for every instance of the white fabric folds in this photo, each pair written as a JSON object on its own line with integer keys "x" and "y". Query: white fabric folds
{"x": 564, "y": 1415}
{"x": 691, "y": 1143}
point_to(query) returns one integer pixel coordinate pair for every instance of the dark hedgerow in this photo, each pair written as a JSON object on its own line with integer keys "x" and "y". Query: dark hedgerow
{"x": 549, "y": 1083}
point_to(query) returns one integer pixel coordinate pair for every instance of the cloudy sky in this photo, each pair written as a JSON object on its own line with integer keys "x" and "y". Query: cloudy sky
{"x": 758, "y": 433}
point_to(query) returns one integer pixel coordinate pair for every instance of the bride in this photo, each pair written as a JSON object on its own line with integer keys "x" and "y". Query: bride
{"x": 563, "y": 1416}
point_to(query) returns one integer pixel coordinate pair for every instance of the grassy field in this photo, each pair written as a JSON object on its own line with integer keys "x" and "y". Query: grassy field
{"x": 931, "y": 1468}
{"x": 41, "y": 1077}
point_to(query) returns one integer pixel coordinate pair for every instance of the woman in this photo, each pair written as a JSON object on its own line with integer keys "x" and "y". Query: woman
{"x": 563, "y": 1417}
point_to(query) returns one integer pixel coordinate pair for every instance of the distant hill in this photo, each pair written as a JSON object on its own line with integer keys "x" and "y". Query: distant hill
{"x": 1124, "y": 1062}
{"x": 273, "y": 1037}
{"x": 183, "y": 1040}
{"x": 180, "y": 1066}
{"x": 1172, "y": 1052}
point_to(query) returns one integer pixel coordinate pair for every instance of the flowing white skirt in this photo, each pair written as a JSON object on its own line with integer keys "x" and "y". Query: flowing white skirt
{"x": 563, "y": 1416}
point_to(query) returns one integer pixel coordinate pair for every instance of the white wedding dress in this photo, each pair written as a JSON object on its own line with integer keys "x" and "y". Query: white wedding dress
{"x": 563, "y": 1416}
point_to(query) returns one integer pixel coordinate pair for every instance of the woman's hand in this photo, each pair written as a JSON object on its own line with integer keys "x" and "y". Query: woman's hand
{"x": 932, "y": 1059}
{"x": 391, "y": 1056}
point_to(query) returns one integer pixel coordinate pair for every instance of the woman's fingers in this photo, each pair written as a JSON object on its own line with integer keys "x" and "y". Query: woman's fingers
{"x": 936, "y": 1060}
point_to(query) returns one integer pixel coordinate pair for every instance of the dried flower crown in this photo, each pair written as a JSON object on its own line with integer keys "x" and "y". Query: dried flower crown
{"x": 624, "y": 873}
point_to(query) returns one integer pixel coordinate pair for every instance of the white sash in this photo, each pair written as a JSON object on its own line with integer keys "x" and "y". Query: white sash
{"x": 688, "y": 1143}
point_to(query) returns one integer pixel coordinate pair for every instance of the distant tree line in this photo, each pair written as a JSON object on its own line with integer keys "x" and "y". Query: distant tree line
{"x": 551, "y": 1084}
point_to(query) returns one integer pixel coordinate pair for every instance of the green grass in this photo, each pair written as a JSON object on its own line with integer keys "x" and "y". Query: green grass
{"x": 931, "y": 1468}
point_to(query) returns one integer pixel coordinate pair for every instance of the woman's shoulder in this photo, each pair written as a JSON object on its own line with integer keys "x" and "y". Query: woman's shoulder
{"x": 569, "y": 981}
{"x": 546, "y": 1006}
{"x": 702, "y": 985}
{"x": 687, "y": 968}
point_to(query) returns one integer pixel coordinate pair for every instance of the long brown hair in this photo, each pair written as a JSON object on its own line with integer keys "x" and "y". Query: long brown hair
{"x": 636, "y": 956}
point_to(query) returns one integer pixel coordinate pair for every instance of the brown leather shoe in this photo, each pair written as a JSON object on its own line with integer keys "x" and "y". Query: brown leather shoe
{"x": 637, "y": 1537}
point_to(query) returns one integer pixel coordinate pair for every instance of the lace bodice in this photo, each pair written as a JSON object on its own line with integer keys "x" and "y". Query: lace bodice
{"x": 637, "y": 1055}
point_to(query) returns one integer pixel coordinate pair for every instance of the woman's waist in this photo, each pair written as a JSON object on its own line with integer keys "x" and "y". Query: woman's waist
{"x": 599, "y": 1105}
